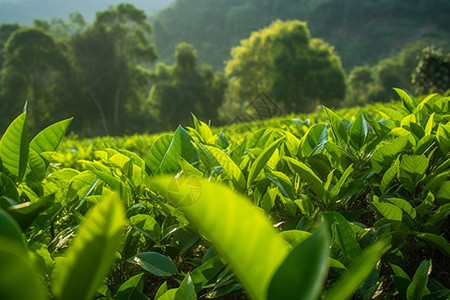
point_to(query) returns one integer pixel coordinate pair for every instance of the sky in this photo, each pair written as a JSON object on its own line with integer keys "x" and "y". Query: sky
{"x": 25, "y": 11}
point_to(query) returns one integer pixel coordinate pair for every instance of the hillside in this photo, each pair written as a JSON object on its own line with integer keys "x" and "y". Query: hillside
{"x": 363, "y": 32}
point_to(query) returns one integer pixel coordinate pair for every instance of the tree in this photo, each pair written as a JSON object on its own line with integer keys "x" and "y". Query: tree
{"x": 432, "y": 73}
{"x": 35, "y": 70}
{"x": 6, "y": 30}
{"x": 181, "y": 88}
{"x": 374, "y": 84}
{"x": 285, "y": 62}
{"x": 109, "y": 58}
{"x": 360, "y": 82}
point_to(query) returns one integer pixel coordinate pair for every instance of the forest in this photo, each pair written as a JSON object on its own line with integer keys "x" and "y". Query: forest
{"x": 128, "y": 72}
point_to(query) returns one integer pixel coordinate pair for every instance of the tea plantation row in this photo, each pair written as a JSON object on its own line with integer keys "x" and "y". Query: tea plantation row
{"x": 335, "y": 205}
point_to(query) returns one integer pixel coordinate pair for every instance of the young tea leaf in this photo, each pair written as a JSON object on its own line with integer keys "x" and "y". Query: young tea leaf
{"x": 92, "y": 252}
{"x": 417, "y": 288}
{"x": 261, "y": 161}
{"x": 237, "y": 230}
{"x": 302, "y": 273}
{"x": 360, "y": 268}
{"x": 132, "y": 289}
{"x": 14, "y": 147}
{"x": 339, "y": 129}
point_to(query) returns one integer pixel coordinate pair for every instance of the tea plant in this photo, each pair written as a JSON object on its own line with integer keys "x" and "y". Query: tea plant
{"x": 326, "y": 207}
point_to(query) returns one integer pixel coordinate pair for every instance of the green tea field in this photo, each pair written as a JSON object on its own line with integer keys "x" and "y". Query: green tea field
{"x": 337, "y": 204}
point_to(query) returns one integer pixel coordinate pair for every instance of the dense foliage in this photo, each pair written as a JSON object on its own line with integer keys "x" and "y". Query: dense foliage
{"x": 432, "y": 73}
{"x": 103, "y": 74}
{"x": 363, "y": 32}
{"x": 284, "y": 61}
{"x": 182, "y": 86}
{"x": 353, "y": 203}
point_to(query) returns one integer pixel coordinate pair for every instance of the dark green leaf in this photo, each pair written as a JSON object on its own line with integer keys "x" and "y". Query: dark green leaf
{"x": 417, "y": 288}
{"x": 155, "y": 263}
{"x": 360, "y": 268}
{"x": 10, "y": 229}
{"x": 132, "y": 289}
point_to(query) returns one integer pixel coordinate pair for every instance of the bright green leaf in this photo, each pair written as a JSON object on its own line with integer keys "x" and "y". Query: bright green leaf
{"x": 14, "y": 147}
{"x": 19, "y": 278}
{"x": 92, "y": 252}
{"x": 237, "y": 230}
{"x": 302, "y": 273}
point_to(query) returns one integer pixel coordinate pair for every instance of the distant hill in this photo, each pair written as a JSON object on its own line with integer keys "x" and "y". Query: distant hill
{"x": 363, "y": 32}
{"x": 25, "y": 11}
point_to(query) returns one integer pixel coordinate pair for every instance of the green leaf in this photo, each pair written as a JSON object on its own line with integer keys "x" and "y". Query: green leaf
{"x": 132, "y": 289}
{"x": 344, "y": 234}
{"x": 155, "y": 263}
{"x": 418, "y": 286}
{"x": 360, "y": 268}
{"x": 146, "y": 225}
{"x": 389, "y": 211}
{"x": 203, "y": 130}
{"x": 404, "y": 205}
{"x": 203, "y": 274}
{"x": 14, "y": 147}
{"x": 314, "y": 140}
{"x": 239, "y": 231}
{"x": 407, "y": 100}
{"x": 302, "y": 273}
{"x": 436, "y": 240}
{"x": 9, "y": 229}
{"x": 186, "y": 291}
{"x": 283, "y": 182}
{"x": 8, "y": 188}
{"x": 161, "y": 290}
{"x": 443, "y": 194}
{"x": 48, "y": 139}
{"x": 25, "y": 213}
{"x": 189, "y": 169}
{"x": 339, "y": 129}
{"x": 228, "y": 165}
{"x": 180, "y": 146}
{"x": 359, "y": 132}
{"x": 314, "y": 182}
{"x": 262, "y": 160}
{"x": 390, "y": 174}
{"x": 337, "y": 188}
{"x": 384, "y": 155}
{"x": 156, "y": 153}
{"x": 37, "y": 166}
{"x": 412, "y": 170}
{"x": 443, "y": 137}
{"x": 19, "y": 278}
{"x": 92, "y": 253}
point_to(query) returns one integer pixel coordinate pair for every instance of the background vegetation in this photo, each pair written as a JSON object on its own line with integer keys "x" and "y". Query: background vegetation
{"x": 128, "y": 72}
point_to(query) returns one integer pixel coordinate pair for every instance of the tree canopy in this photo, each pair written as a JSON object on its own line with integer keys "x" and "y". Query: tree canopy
{"x": 35, "y": 69}
{"x": 363, "y": 32}
{"x": 432, "y": 73}
{"x": 183, "y": 88}
{"x": 285, "y": 62}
